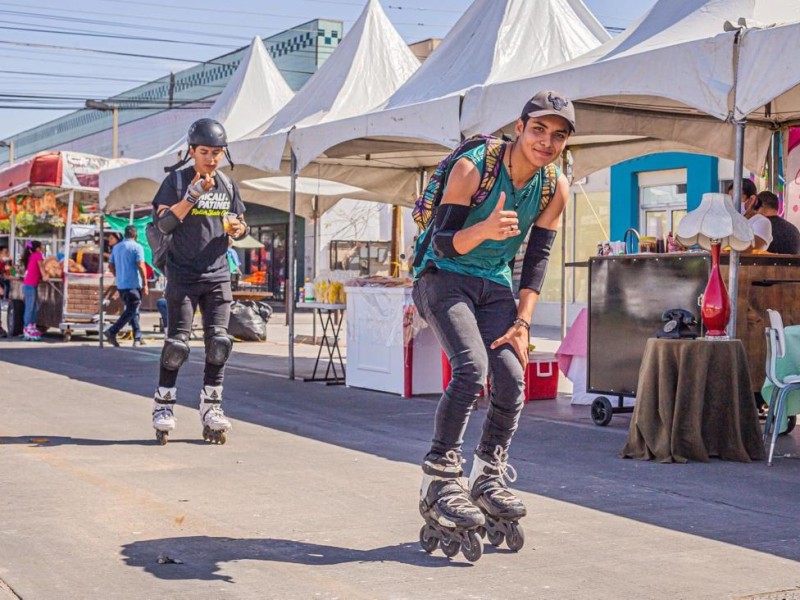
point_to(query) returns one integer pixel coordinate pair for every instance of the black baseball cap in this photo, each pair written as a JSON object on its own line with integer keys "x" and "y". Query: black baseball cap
{"x": 550, "y": 103}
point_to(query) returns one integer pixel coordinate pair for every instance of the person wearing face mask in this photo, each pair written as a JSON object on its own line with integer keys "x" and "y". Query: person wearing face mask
{"x": 762, "y": 228}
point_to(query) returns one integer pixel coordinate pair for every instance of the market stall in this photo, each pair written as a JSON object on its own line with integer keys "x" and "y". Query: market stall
{"x": 631, "y": 295}
{"x": 52, "y": 197}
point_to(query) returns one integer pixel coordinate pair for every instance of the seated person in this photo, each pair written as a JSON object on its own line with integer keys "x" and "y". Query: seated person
{"x": 762, "y": 228}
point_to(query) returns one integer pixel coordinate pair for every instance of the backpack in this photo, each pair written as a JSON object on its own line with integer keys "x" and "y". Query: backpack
{"x": 424, "y": 211}
{"x": 159, "y": 242}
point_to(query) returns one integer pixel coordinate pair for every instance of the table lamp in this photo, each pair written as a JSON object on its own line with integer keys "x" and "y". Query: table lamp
{"x": 712, "y": 225}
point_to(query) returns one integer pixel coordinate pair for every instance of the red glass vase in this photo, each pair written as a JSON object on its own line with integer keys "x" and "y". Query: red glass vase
{"x": 716, "y": 307}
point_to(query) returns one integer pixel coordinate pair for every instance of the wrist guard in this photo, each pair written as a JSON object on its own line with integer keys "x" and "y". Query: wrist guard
{"x": 534, "y": 266}
{"x": 450, "y": 218}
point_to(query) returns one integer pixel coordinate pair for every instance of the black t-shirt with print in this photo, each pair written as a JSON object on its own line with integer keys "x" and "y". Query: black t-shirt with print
{"x": 197, "y": 253}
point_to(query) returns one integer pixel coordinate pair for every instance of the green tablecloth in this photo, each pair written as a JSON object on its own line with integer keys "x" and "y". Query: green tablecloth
{"x": 788, "y": 365}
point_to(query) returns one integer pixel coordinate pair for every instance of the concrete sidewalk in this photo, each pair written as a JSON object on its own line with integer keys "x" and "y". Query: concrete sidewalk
{"x": 314, "y": 496}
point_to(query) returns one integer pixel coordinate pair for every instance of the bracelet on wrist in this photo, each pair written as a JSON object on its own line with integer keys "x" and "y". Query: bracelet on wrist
{"x": 520, "y": 322}
{"x": 191, "y": 199}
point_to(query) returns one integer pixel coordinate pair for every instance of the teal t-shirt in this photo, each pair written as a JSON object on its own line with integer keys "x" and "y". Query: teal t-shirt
{"x": 490, "y": 260}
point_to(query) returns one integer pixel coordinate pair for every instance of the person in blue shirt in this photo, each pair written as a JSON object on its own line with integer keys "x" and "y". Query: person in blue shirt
{"x": 127, "y": 265}
{"x": 463, "y": 289}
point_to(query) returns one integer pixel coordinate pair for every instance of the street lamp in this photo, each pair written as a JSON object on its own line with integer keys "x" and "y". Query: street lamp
{"x": 10, "y": 145}
{"x": 104, "y": 106}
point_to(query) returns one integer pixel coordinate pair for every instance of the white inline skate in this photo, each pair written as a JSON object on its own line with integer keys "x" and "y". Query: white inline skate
{"x": 452, "y": 521}
{"x": 502, "y": 509}
{"x": 215, "y": 424}
{"x": 163, "y": 416}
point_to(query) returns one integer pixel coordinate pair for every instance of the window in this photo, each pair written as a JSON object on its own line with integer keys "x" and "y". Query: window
{"x": 368, "y": 258}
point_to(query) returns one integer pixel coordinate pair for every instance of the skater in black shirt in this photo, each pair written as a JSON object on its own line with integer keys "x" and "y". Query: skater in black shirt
{"x": 200, "y": 208}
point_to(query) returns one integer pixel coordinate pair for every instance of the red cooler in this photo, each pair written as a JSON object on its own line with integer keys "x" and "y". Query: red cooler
{"x": 541, "y": 377}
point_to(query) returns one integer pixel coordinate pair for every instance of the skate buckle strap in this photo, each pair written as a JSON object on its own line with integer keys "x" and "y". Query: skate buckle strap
{"x": 170, "y": 400}
{"x": 504, "y": 469}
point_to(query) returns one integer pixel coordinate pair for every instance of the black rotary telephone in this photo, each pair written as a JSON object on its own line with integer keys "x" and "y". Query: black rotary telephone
{"x": 678, "y": 324}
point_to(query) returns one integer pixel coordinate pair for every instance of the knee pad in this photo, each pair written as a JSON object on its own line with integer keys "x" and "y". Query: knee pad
{"x": 218, "y": 346}
{"x": 174, "y": 353}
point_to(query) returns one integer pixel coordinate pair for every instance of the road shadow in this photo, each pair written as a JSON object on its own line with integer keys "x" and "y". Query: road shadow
{"x": 202, "y": 557}
{"x": 748, "y": 505}
{"x": 45, "y": 441}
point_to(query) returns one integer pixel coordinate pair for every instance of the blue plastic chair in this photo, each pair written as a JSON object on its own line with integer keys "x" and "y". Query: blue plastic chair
{"x": 776, "y": 348}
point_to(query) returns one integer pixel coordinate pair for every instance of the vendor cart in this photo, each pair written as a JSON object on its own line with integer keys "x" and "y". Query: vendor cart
{"x": 52, "y": 189}
{"x": 628, "y": 295}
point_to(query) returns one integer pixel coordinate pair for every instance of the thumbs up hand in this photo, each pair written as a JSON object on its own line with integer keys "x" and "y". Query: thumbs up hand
{"x": 501, "y": 224}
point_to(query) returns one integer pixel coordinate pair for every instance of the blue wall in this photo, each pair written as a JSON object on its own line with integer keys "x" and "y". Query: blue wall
{"x": 701, "y": 178}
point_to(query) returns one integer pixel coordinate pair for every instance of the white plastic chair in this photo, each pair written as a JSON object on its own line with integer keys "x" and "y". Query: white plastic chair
{"x": 776, "y": 348}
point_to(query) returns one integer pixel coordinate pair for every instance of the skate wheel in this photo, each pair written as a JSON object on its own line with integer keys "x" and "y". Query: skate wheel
{"x": 221, "y": 437}
{"x": 472, "y": 547}
{"x": 495, "y": 537}
{"x": 162, "y": 437}
{"x": 427, "y": 540}
{"x": 516, "y": 537}
{"x": 450, "y": 549}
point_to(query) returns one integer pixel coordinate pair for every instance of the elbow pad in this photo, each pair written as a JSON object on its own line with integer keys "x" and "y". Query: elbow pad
{"x": 534, "y": 266}
{"x": 167, "y": 222}
{"x": 450, "y": 218}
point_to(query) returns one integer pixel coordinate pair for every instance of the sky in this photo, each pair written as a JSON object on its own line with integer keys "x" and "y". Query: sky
{"x": 54, "y": 54}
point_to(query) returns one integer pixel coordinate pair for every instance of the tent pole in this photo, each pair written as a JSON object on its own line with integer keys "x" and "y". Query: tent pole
{"x": 130, "y": 218}
{"x": 67, "y": 242}
{"x": 733, "y": 269}
{"x": 12, "y": 238}
{"x": 102, "y": 278}
{"x": 290, "y": 251}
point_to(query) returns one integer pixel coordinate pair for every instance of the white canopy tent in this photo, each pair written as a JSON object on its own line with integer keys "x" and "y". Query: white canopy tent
{"x": 671, "y": 81}
{"x": 256, "y": 88}
{"x": 493, "y": 41}
{"x": 312, "y": 196}
{"x": 371, "y": 62}
{"x": 668, "y": 81}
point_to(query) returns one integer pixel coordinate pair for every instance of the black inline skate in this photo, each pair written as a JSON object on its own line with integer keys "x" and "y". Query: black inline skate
{"x": 452, "y": 521}
{"x": 502, "y": 509}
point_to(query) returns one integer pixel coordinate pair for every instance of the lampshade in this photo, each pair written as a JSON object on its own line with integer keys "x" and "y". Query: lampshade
{"x": 715, "y": 219}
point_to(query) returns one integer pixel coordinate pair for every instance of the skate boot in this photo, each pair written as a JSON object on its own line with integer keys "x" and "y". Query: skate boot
{"x": 31, "y": 334}
{"x": 451, "y": 519}
{"x": 163, "y": 417}
{"x": 489, "y": 492}
{"x": 215, "y": 424}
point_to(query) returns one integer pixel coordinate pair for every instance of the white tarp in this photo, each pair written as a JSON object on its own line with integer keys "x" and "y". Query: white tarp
{"x": 371, "y": 62}
{"x": 768, "y": 87}
{"x": 493, "y": 41}
{"x": 256, "y": 90}
{"x": 313, "y": 196}
{"x": 671, "y": 69}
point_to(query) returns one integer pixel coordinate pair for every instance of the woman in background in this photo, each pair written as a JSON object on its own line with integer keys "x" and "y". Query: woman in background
{"x": 34, "y": 273}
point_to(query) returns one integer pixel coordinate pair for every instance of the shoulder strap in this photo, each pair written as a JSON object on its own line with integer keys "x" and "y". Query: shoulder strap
{"x": 495, "y": 150}
{"x": 227, "y": 184}
{"x": 548, "y": 186}
{"x": 179, "y": 184}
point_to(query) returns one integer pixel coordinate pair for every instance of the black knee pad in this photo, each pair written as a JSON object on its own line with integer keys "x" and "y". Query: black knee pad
{"x": 218, "y": 346}
{"x": 175, "y": 352}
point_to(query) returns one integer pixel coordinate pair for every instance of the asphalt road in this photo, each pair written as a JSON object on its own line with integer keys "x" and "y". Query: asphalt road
{"x": 315, "y": 496}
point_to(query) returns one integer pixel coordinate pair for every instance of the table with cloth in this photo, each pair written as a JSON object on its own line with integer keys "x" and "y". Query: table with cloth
{"x": 694, "y": 400}
{"x": 789, "y": 364}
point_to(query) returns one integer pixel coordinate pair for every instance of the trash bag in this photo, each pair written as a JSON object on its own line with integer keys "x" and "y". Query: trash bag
{"x": 248, "y": 321}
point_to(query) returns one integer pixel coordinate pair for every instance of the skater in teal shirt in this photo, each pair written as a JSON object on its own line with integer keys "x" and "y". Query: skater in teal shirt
{"x": 463, "y": 289}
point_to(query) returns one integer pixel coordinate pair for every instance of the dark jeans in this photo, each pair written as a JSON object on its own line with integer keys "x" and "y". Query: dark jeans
{"x": 5, "y": 285}
{"x": 214, "y": 300}
{"x": 133, "y": 300}
{"x": 467, "y": 314}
